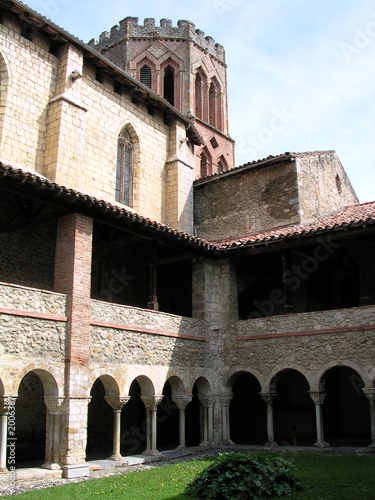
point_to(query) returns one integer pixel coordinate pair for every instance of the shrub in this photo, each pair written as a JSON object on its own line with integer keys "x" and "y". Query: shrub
{"x": 243, "y": 476}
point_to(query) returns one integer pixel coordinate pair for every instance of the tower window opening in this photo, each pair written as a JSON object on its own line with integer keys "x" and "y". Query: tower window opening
{"x": 169, "y": 85}
{"x": 145, "y": 75}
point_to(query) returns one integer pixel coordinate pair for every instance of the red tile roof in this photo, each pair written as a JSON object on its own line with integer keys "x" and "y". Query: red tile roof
{"x": 350, "y": 217}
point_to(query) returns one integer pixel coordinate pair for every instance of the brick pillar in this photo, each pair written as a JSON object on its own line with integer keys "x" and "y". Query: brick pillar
{"x": 73, "y": 277}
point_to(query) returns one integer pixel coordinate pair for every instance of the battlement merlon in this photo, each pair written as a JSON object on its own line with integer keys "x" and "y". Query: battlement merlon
{"x": 185, "y": 30}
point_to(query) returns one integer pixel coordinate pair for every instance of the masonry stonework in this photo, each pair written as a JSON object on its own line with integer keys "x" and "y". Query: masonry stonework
{"x": 119, "y": 324}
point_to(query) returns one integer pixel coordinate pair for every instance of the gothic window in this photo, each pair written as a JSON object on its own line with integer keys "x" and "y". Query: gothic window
{"x": 124, "y": 171}
{"x": 200, "y": 94}
{"x": 169, "y": 84}
{"x": 222, "y": 165}
{"x": 206, "y": 167}
{"x": 145, "y": 75}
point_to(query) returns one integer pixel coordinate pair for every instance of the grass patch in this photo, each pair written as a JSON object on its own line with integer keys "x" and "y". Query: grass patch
{"x": 322, "y": 477}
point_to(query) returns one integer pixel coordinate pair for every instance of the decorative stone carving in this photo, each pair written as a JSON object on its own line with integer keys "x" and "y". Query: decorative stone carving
{"x": 55, "y": 405}
{"x": 152, "y": 402}
{"x": 317, "y": 397}
{"x": 208, "y": 401}
{"x": 181, "y": 401}
{"x": 268, "y": 397}
{"x": 117, "y": 402}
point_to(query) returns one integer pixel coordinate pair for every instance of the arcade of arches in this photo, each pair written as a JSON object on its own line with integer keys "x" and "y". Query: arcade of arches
{"x": 340, "y": 413}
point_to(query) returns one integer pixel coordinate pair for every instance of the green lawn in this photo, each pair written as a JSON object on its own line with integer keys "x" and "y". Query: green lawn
{"x": 323, "y": 477}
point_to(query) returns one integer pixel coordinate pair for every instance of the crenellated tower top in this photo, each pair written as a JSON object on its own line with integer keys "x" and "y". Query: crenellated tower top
{"x": 185, "y": 30}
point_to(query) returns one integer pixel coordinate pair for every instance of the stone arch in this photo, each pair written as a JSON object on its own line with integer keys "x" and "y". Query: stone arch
{"x": 100, "y": 417}
{"x": 31, "y": 413}
{"x": 168, "y": 414}
{"x": 346, "y": 410}
{"x": 4, "y": 85}
{"x": 194, "y": 412}
{"x": 293, "y": 408}
{"x": 109, "y": 381}
{"x": 322, "y": 373}
{"x": 247, "y": 411}
{"x": 48, "y": 376}
{"x": 279, "y": 370}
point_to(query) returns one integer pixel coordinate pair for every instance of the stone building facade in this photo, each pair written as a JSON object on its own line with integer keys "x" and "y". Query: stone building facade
{"x": 147, "y": 302}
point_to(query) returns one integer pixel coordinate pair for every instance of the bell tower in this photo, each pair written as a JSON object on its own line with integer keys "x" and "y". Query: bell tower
{"x": 186, "y": 68}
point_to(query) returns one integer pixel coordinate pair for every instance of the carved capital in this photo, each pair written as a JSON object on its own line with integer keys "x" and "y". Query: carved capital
{"x": 117, "y": 402}
{"x": 317, "y": 396}
{"x": 225, "y": 400}
{"x": 181, "y": 401}
{"x": 55, "y": 405}
{"x": 268, "y": 397}
{"x": 370, "y": 394}
{"x": 207, "y": 401}
{"x": 7, "y": 402}
{"x": 152, "y": 402}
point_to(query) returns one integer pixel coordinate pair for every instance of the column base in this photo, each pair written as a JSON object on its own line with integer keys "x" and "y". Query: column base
{"x": 152, "y": 453}
{"x": 116, "y": 457}
{"x": 51, "y": 466}
{"x": 77, "y": 470}
{"x": 181, "y": 447}
{"x": 270, "y": 444}
{"x": 371, "y": 448}
{"x": 4, "y": 472}
{"x": 227, "y": 442}
{"x": 323, "y": 444}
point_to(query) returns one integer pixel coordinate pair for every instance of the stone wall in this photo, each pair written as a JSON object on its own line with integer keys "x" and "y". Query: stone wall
{"x": 126, "y": 335}
{"x": 309, "y": 342}
{"x": 32, "y": 323}
{"x": 25, "y": 111}
{"x": 246, "y": 202}
{"x": 55, "y": 124}
{"x": 27, "y": 252}
{"x": 323, "y": 185}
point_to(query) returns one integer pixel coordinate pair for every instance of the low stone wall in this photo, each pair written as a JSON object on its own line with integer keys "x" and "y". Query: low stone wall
{"x": 306, "y": 322}
{"x": 31, "y": 300}
{"x": 309, "y": 342}
{"x": 128, "y": 335}
{"x": 32, "y": 322}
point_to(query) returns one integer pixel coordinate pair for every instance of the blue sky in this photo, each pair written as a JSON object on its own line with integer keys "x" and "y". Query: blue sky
{"x": 301, "y": 73}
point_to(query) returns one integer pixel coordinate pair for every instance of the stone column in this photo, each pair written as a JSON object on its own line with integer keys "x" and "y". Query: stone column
{"x": 318, "y": 398}
{"x": 181, "y": 402}
{"x": 6, "y": 402}
{"x": 56, "y": 406}
{"x": 208, "y": 404}
{"x": 116, "y": 403}
{"x": 269, "y": 397}
{"x": 151, "y": 403}
{"x": 225, "y": 421}
{"x": 370, "y": 394}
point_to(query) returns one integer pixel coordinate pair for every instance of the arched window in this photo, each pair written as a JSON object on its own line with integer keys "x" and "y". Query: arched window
{"x": 206, "y": 163}
{"x": 145, "y": 75}
{"x": 124, "y": 171}
{"x": 213, "y": 105}
{"x": 200, "y": 94}
{"x": 169, "y": 84}
{"x": 222, "y": 165}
